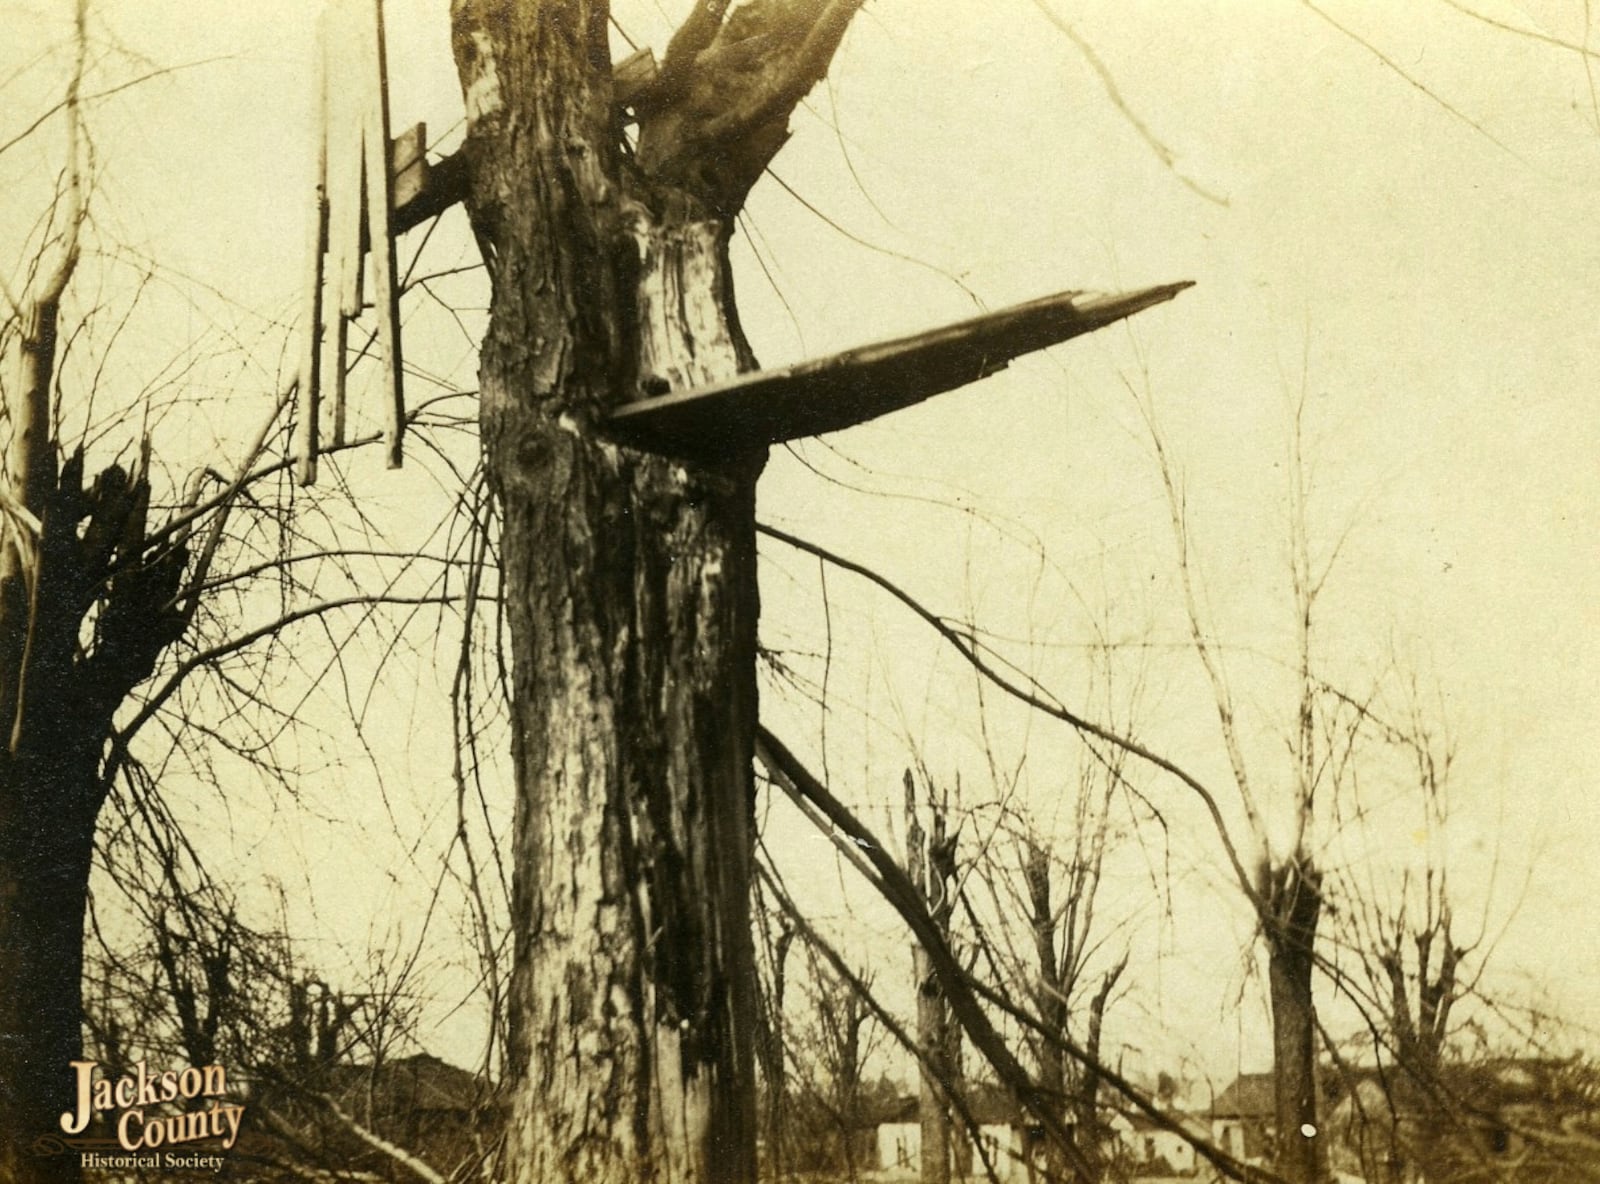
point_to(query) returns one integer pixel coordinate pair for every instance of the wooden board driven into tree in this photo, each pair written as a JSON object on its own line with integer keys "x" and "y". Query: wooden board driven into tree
{"x": 839, "y": 391}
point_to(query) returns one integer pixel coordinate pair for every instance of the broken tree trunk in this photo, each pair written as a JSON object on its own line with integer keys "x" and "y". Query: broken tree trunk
{"x": 63, "y": 691}
{"x": 631, "y": 597}
{"x": 930, "y": 864}
{"x": 1050, "y": 995}
{"x": 46, "y": 839}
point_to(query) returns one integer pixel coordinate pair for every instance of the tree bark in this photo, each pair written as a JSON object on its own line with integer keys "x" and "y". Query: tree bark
{"x": 1092, "y": 1134}
{"x": 771, "y": 1050}
{"x": 931, "y": 865}
{"x": 629, "y": 578}
{"x": 85, "y": 611}
{"x": 46, "y": 840}
{"x": 932, "y": 1108}
{"x": 1050, "y": 998}
{"x": 1294, "y": 903}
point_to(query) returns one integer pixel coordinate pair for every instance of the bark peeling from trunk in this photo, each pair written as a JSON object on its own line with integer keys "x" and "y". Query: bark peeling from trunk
{"x": 630, "y": 583}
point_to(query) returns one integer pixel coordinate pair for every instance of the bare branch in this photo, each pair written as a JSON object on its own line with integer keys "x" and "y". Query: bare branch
{"x": 1109, "y": 82}
{"x": 798, "y": 783}
{"x": 45, "y": 116}
{"x": 959, "y": 986}
{"x": 795, "y": 77}
{"x": 1416, "y": 84}
{"x": 1221, "y": 693}
{"x": 249, "y": 638}
{"x": 975, "y": 658}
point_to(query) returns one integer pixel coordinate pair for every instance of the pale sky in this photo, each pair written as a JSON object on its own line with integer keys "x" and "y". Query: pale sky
{"x": 1402, "y": 229}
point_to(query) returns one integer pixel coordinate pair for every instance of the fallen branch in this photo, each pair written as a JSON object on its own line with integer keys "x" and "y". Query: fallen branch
{"x": 960, "y": 987}
{"x": 376, "y": 1141}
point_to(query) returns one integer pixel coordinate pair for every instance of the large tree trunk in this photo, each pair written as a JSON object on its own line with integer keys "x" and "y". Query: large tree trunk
{"x": 52, "y": 782}
{"x": 51, "y": 789}
{"x": 46, "y": 840}
{"x": 631, "y": 596}
{"x": 1294, "y": 902}
{"x": 629, "y": 580}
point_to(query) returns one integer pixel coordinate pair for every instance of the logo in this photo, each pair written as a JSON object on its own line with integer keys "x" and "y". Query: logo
{"x": 142, "y": 1102}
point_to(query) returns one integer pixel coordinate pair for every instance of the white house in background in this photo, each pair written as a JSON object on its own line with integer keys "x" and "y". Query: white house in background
{"x": 1148, "y": 1146}
{"x": 1006, "y": 1136}
{"x": 1242, "y": 1118}
{"x": 1010, "y": 1140}
{"x": 900, "y": 1140}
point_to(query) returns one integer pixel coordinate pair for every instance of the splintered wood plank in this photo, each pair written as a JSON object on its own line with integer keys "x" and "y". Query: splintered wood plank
{"x": 380, "y": 214}
{"x": 408, "y": 162}
{"x": 307, "y": 439}
{"x": 344, "y": 122}
{"x": 827, "y": 394}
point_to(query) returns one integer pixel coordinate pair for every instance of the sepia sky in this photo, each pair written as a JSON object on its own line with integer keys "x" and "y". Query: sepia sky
{"x": 1388, "y": 212}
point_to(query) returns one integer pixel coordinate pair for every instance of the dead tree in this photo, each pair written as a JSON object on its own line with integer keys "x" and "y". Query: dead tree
{"x": 1278, "y": 868}
{"x": 103, "y": 579}
{"x": 86, "y": 608}
{"x": 931, "y": 865}
{"x": 1061, "y": 931}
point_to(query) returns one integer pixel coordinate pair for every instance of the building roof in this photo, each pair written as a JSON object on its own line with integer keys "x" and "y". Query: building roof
{"x": 407, "y": 1085}
{"x": 1249, "y": 1095}
{"x": 989, "y": 1105}
{"x": 1570, "y": 1085}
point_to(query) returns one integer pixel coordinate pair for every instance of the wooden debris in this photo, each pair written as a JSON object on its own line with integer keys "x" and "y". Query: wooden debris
{"x": 355, "y": 210}
{"x": 408, "y": 160}
{"x": 309, "y": 406}
{"x": 380, "y": 215}
{"x": 828, "y": 394}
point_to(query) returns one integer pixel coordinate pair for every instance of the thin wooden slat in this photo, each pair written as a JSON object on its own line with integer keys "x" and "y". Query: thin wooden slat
{"x": 408, "y": 159}
{"x": 344, "y": 142}
{"x": 335, "y": 344}
{"x": 310, "y": 394}
{"x": 831, "y": 393}
{"x": 380, "y": 213}
{"x": 346, "y": 110}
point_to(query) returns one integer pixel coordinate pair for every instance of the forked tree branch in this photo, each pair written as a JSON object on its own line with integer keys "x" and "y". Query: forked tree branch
{"x": 793, "y": 79}
{"x": 248, "y": 638}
